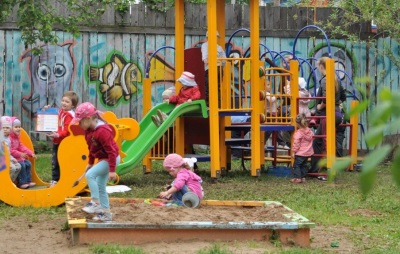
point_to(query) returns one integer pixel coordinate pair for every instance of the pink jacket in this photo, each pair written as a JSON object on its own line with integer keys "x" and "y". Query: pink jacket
{"x": 303, "y": 139}
{"x": 17, "y": 148}
{"x": 191, "y": 180}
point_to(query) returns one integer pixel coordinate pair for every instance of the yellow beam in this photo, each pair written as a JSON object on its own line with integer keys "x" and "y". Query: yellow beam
{"x": 146, "y": 163}
{"x": 179, "y": 67}
{"x": 255, "y": 79}
{"x": 213, "y": 88}
{"x": 330, "y": 112}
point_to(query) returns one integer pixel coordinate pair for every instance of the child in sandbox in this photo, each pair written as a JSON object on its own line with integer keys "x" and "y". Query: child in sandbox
{"x": 188, "y": 93}
{"x": 185, "y": 179}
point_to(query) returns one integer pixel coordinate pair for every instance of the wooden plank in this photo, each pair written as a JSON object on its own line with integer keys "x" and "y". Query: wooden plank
{"x": 170, "y": 18}
{"x": 2, "y": 70}
{"x": 202, "y": 13}
{"x": 151, "y": 16}
{"x": 108, "y": 17}
{"x": 82, "y": 48}
{"x": 8, "y": 88}
{"x": 20, "y": 80}
{"x": 246, "y": 16}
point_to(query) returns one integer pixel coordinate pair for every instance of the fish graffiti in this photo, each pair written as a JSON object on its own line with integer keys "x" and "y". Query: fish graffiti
{"x": 51, "y": 74}
{"x": 117, "y": 79}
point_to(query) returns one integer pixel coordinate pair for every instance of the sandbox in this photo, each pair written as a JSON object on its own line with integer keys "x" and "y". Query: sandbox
{"x": 138, "y": 221}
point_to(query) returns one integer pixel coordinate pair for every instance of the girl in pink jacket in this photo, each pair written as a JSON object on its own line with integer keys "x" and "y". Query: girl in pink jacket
{"x": 302, "y": 148}
{"x": 185, "y": 180}
{"x": 21, "y": 153}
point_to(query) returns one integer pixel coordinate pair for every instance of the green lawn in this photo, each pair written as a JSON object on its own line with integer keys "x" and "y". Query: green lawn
{"x": 372, "y": 223}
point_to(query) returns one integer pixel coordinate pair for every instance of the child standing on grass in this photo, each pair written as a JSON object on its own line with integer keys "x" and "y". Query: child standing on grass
{"x": 302, "y": 148}
{"x": 15, "y": 167}
{"x": 100, "y": 139}
{"x": 185, "y": 180}
{"x": 188, "y": 93}
{"x": 21, "y": 153}
{"x": 65, "y": 115}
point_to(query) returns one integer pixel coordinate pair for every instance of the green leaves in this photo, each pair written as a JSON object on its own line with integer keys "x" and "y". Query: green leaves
{"x": 370, "y": 166}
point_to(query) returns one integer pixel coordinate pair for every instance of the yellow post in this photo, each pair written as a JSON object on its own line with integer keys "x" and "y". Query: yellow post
{"x": 354, "y": 135}
{"x": 146, "y": 163}
{"x": 330, "y": 112}
{"x": 254, "y": 76}
{"x": 294, "y": 90}
{"x": 213, "y": 88}
{"x": 179, "y": 68}
{"x": 262, "y": 87}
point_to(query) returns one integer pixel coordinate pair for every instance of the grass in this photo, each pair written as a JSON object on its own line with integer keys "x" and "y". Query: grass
{"x": 372, "y": 223}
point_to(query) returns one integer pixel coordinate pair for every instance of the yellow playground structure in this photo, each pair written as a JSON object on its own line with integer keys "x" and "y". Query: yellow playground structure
{"x": 136, "y": 140}
{"x": 72, "y": 155}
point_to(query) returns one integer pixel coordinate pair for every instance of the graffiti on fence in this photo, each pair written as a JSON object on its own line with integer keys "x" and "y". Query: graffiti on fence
{"x": 51, "y": 74}
{"x": 117, "y": 79}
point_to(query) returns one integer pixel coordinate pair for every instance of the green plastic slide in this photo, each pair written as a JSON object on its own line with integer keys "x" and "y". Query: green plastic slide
{"x": 149, "y": 134}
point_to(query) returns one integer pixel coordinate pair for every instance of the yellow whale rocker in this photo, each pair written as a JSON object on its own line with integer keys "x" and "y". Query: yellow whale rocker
{"x": 73, "y": 158}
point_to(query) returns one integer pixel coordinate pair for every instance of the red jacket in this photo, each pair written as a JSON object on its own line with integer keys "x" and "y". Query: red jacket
{"x": 192, "y": 92}
{"x": 64, "y": 119}
{"x": 101, "y": 145}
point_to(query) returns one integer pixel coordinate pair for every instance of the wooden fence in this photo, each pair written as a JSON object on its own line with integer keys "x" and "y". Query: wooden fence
{"x": 282, "y": 22}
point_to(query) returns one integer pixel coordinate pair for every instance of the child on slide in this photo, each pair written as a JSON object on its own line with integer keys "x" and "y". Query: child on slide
{"x": 188, "y": 93}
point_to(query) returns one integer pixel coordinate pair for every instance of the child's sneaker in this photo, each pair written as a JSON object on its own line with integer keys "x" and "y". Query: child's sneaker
{"x": 103, "y": 216}
{"x": 52, "y": 183}
{"x": 31, "y": 184}
{"x": 296, "y": 180}
{"x": 161, "y": 115}
{"x": 92, "y": 207}
{"x": 156, "y": 120}
{"x": 24, "y": 186}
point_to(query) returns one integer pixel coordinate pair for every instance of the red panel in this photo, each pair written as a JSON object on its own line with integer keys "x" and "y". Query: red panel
{"x": 195, "y": 65}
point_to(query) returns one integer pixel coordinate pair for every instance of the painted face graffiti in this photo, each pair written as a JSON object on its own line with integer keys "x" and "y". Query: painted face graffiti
{"x": 117, "y": 79}
{"x": 51, "y": 75}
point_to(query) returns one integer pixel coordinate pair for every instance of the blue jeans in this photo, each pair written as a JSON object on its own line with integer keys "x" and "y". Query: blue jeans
{"x": 300, "y": 166}
{"x": 55, "y": 170}
{"x": 177, "y": 196}
{"x": 97, "y": 177}
{"x": 24, "y": 176}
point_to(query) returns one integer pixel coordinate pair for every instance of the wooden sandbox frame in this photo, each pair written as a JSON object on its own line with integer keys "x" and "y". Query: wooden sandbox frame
{"x": 295, "y": 231}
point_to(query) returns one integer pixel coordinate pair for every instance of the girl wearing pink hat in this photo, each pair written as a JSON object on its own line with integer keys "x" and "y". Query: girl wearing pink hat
{"x": 100, "y": 139}
{"x": 185, "y": 180}
{"x": 21, "y": 153}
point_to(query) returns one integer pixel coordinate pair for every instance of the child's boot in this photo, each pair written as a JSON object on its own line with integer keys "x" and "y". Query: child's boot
{"x": 161, "y": 115}
{"x": 156, "y": 120}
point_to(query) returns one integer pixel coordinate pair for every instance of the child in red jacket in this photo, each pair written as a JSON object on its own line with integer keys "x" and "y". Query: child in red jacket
{"x": 99, "y": 137}
{"x": 302, "y": 148}
{"x": 188, "y": 93}
{"x": 66, "y": 113}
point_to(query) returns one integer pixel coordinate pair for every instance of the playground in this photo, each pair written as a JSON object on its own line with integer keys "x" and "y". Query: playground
{"x": 342, "y": 216}
{"x": 341, "y": 220}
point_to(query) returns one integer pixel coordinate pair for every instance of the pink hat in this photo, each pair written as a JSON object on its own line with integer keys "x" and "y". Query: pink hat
{"x": 15, "y": 121}
{"x": 187, "y": 79}
{"x": 84, "y": 110}
{"x": 173, "y": 160}
{"x": 6, "y": 121}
